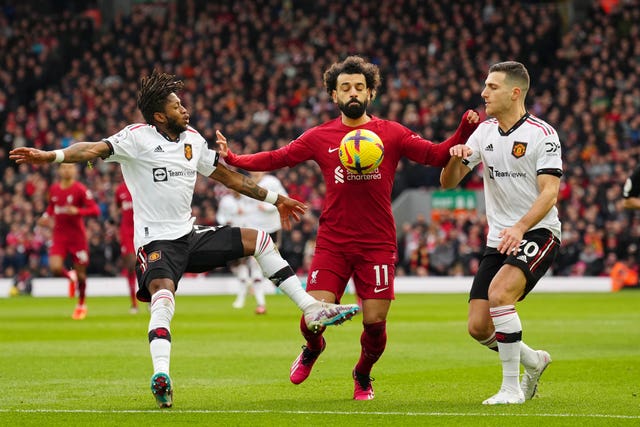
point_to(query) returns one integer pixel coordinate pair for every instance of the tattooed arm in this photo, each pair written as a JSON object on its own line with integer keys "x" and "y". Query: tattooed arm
{"x": 287, "y": 207}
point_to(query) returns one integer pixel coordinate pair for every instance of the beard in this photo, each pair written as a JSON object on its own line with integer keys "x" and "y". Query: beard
{"x": 353, "y": 109}
{"x": 174, "y": 126}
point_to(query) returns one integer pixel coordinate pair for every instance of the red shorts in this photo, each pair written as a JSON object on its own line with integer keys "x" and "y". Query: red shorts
{"x": 373, "y": 272}
{"x": 78, "y": 249}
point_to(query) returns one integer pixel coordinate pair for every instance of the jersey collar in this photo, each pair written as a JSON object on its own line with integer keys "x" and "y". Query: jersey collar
{"x": 165, "y": 136}
{"x": 515, "y": 126}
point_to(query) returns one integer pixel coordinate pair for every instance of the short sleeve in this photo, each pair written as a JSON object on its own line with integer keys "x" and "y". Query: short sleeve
{"x": 123, "y": 146}
{"x": 208, "y": 162}
{"x": 550, "y": 159}
{"x": 474, "y": 143}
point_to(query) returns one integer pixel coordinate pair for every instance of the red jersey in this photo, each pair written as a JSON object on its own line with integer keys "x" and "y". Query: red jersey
{"x": 70, "y": 226}
{"x": 125, "y": 204}
{"x": 357, "y": 208}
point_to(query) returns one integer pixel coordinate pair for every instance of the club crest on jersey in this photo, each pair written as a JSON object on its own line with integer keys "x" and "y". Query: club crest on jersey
{"x": 519, "y": 149}
{"x": 154, "y": 256}
{"x": 188, "y": 151}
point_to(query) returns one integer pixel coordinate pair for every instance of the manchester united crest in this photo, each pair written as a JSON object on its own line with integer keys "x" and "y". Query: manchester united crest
{"x": 519, "y": 149}
{"x": 154, "y": 256}
{"x": 188, "y": 151}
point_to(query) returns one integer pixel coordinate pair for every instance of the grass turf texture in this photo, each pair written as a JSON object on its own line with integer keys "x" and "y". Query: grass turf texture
{"x": 230, "y": 367}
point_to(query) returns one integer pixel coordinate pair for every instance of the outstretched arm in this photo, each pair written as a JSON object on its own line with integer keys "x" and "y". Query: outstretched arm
{"x": 287, "y": 207}
{"x": 78, "y": 152}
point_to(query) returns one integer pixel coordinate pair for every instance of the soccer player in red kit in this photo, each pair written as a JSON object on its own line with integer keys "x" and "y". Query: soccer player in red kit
{"x": 357, "y": 233}
{"x": 69, "y": 202}
{"x": 124, "y": 203}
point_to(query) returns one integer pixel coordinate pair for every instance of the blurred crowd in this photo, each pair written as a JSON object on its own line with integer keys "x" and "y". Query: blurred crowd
{"x": 253, "y": 69}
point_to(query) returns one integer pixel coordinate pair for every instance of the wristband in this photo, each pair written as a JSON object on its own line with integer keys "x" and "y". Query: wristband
{"x": 59, "y": 156}
{"x": 272, "y": 197}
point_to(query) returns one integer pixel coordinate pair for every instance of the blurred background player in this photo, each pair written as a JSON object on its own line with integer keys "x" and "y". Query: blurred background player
{"x": 69, "y": 202}
{"x": 231, "y": 211}
{"x": 237, "y": 210}
{"x": 124, "y": 203}
{"x": 263, "y": 216}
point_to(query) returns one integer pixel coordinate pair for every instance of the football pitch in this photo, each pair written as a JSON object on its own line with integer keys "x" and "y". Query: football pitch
{"x": 230, "y": 367}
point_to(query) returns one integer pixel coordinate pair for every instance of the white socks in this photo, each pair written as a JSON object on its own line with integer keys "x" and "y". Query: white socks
{"x": 162, "y": 308}
{"x": 528, "y": 356}
{"x": 509, "y": 336}
{"x": 279, "y": 271}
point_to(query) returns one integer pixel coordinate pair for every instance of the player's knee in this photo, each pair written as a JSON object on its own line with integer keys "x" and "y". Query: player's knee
{"x": 249, "y": 240}
{"x": 478, "y": 331}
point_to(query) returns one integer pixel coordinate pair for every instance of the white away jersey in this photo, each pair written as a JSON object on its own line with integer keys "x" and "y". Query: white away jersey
{"x": 229, "y": 211}
{"x": 161, "y": 176}
{"x": 512, "y": 161}
{"x": 263, "y": 215}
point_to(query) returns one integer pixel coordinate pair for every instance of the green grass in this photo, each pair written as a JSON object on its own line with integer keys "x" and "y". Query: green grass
{"x": 230, "y": 367}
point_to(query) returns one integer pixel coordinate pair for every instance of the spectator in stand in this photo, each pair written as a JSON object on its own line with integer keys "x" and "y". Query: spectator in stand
{"x": 419, "y": 258}
{"x": 69, "y": 203}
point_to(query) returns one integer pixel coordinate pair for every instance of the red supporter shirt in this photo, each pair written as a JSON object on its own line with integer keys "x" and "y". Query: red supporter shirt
{"x": 68, "y": 226}
{"x": 357, "y": 208}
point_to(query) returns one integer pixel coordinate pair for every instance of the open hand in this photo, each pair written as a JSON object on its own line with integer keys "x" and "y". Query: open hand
{"x": 30, "y": 155}
{"x": 288, "y": 207}
{"x": 223, "y": 147}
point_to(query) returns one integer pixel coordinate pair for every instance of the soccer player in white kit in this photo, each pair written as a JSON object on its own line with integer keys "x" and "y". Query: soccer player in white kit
{"x": 160, "y": 161}
{"x": 243, "y": 211}
{"x": 522, "y": 162}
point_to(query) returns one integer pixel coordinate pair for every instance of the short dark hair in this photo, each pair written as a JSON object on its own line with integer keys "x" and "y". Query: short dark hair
{"x": 515, "y": 73}
{"x": 153, "y": 93}
{"x": 353, "y": 65}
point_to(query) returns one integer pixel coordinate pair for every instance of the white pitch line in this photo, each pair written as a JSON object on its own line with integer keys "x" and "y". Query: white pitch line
{"x": 268, "y": 411}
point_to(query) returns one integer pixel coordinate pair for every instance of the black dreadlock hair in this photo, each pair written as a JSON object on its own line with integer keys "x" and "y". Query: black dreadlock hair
{"x": 153, "y": 93}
